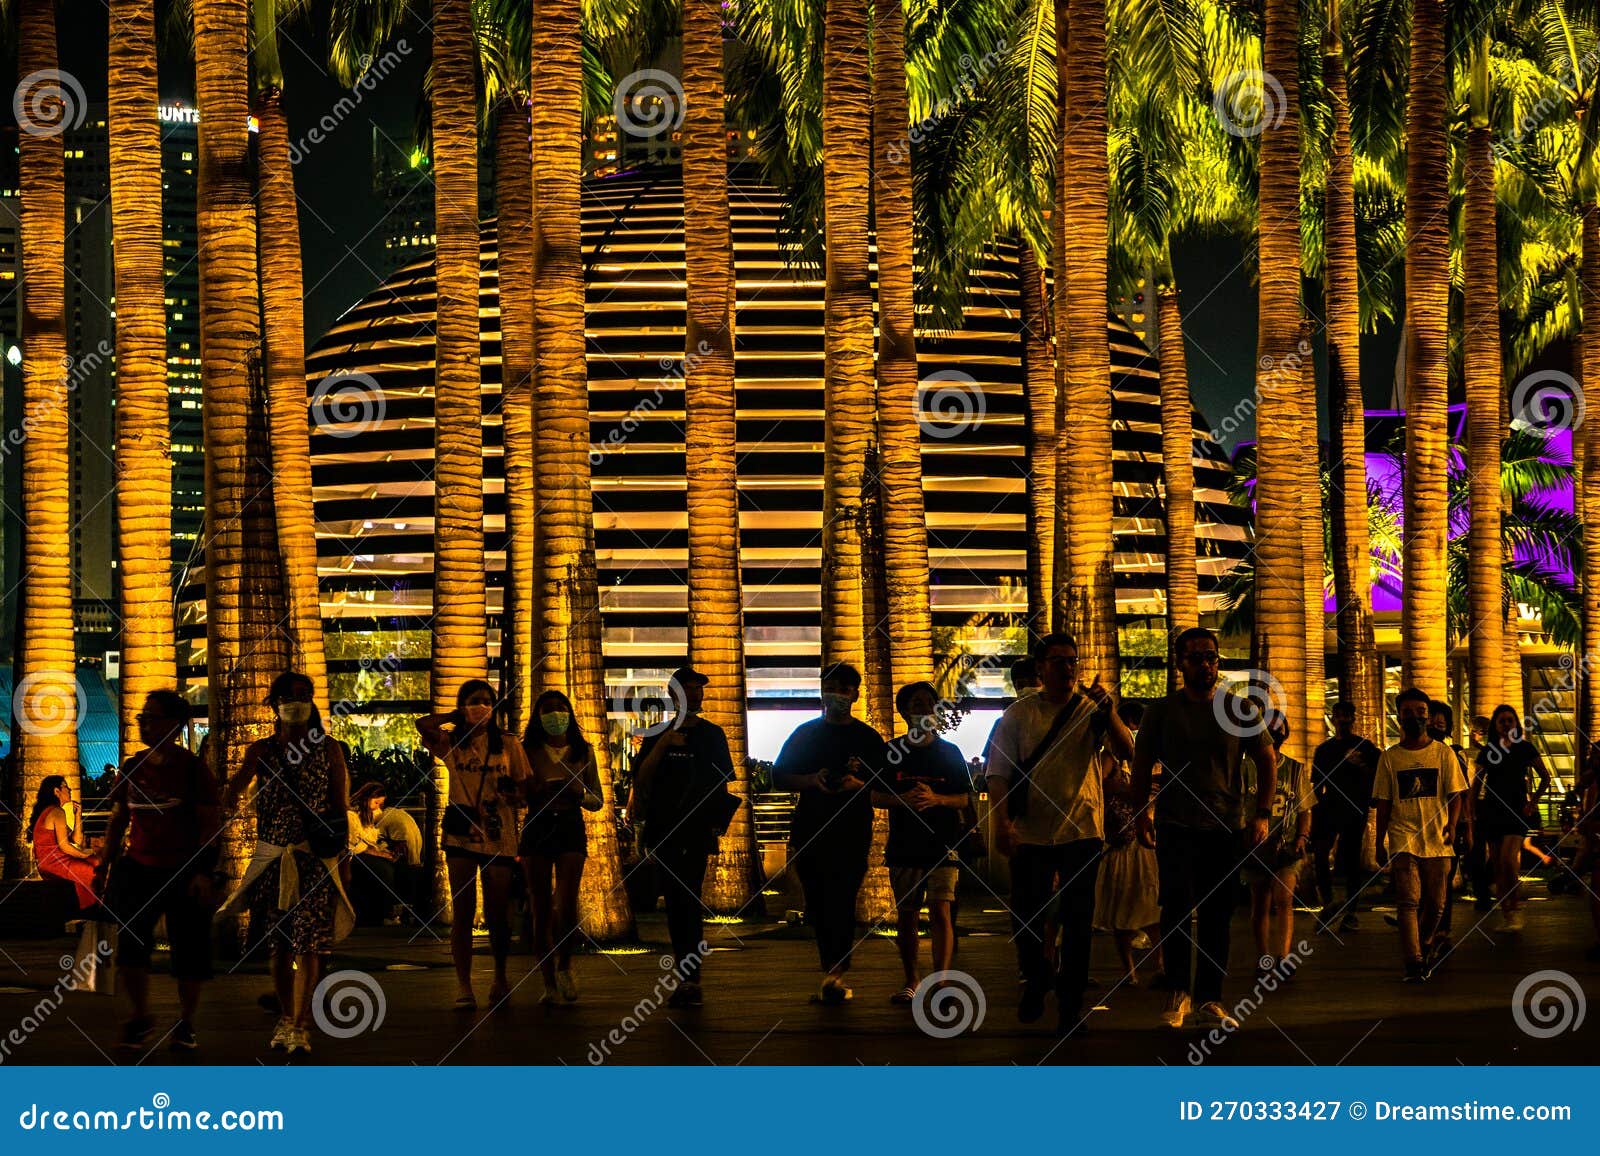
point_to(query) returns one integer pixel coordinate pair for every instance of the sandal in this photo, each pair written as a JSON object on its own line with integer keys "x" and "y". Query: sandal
{"x": 905, "y": 995}
{"x": 466, "y": 1001}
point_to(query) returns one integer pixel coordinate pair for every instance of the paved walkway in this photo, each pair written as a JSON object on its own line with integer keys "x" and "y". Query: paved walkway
{"x": 1347, "y": 1006}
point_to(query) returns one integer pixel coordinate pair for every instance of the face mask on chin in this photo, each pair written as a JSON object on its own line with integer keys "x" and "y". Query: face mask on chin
{"x": 555, "y": 723}
{"x": 1412, "y": 728}
{"x": 294, "y": 714}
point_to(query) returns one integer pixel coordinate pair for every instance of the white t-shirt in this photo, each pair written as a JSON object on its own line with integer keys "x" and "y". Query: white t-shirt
{"x": 1065, "y": 801}
{"x": 1418, "y": 785}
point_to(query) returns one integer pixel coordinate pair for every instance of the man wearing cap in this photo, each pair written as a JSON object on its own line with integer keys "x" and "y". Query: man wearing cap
{"x": 681, "y": 776}
{"x": 829, "y": 761}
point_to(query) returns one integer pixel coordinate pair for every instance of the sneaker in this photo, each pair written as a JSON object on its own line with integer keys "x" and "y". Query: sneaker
{"x": 1141, "y": 941}
{"x": 1349, "y": 924}
{"x": 182, "y": 1039}
{"x": 281, "y": 1034}
{"x": 1176, "y": 1011}
{"x": 1212, "y": 1015}
{"x": 567, "y": 984}
{"x": 834, "y": 992}
{"x": 1415, "y": 972}
{"x": 135, "y": 1032}
{"x": 1392, "y": 920}
{"x": 1031, "y": 1006}
{"x": 299, "y": 1042}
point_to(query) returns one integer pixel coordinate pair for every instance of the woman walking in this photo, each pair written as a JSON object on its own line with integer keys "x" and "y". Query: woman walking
{"x": 554, "y": 843}
{"x": 1503, "y": 767}
{"x": 52, "y": 835}
{"x": 488, "y": 778}
{"x": 302, "y": 798}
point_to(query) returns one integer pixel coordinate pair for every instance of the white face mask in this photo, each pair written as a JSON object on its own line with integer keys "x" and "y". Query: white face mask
{"x": 294, "y": 714}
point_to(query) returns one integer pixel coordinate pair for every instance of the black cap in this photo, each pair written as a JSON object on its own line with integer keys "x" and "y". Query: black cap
{"x": 684, "y": 675}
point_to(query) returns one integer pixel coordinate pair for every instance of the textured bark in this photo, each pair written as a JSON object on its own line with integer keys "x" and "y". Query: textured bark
{"x": 1177, "y": 465}
{"x": 1279, "y": 564}
{"x": 1589, "y": 482}
{"x": 848, "y": 354}
{"x": 283, "y": 306}
{"x": 716, "y": 593}
{"x": 1313, "y": 722}
{"x": 1486, "y": 645}
{"x": 1427, "y": 280}
{"x": 513, "y": 176}
{"x": 1085, "y": 582}
{"x": 44, "y": 704}
{"x": 569, "y": 609}
{"x": 1360, "y": 679}
{"x": 143, "y": 431}
{"x": 1039, "y": 382}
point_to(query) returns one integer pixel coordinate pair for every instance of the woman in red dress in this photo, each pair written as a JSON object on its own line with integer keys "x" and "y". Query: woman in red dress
{"x": 52, "y": 841}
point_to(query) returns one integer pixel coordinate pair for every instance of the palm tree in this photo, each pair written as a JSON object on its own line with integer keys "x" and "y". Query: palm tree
{"x": 1039, "y": 385}
{"x": 1427, "y": 277}
{"x": 1314, "y": 722}
{"x": 143, "y": 417}
{"x": 283, "y": 308}
{"x": 44, "y": 701}
{"x": 1086, "y": 601}
{"x": 568, "y": 597}
{"x": 716, "y": 599}
{"x": 1280, "y": 587}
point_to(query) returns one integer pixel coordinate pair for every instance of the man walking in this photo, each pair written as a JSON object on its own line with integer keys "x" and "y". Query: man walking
{"x": 1045, "y": 794}
{"x": 1341, "y": 775}
{"x": 1199, "y": 734}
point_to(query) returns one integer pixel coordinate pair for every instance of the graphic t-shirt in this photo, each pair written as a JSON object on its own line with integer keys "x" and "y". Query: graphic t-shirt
{"x": 1341, "y": 773}
{"x": 490, "y": 788}
{"x": 1200, "y": 758}
{"x": 923, "y": 838}
{"x": 1292, "y": 798}
{"x": 161, "y": 794}
{"x": 1065, "y": 799}
{"x": 687, "y": 780}
{"x": 1418, "y": 785}
{"x": 1505, "y": 772}
{"x": 837, "y": 826}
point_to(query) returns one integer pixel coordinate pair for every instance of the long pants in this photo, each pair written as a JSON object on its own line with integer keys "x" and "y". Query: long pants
{"x": 681, "y": 873}
{"x": 1038, "y": 875}
{"x": 1199, "y": 874}
{"x": 1349, "y": 834}
{"x": 1420, "y": 887}
{"x": 830, "y": 887}
{"x": 1462, "y": 853}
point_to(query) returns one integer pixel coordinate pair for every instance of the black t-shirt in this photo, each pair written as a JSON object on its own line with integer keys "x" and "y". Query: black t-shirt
{"x": 1505, "y": 784}
{"x": 833, "y": 825}
{"x": 923, "y": 838}
{"x": 1342, "y": 771}
{"x": 685, "y": 782}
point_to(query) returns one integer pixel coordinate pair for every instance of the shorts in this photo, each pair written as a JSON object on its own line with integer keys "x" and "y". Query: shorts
{"x": 138, "y": 895}
{"x": 919, "y": 884}
{"x": 479, "y": 858}
{"x": 1273, "y": 859}
{"x": 552, "y": 833}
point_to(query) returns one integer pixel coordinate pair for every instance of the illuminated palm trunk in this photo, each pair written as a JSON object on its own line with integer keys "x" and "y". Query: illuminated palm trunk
{"x": 144, "y": 461}
{"x": 513, "y": 173}
{"x": 1589, "y": 486}
{"x": 45, "y": 701}
{"x": 1480, "y": 287}
{"x": 1280, "y": 634}
{"x": 1085, "y": 581}
{"x": 1422, "y": 616}
{"x": 848, "y": 353}
{"x": 460, "y": 643}
{"x": 283, "y": 305}
{"x": 1177, "y": 466}
{"x": 1359, "y": 675}
{"x": 716, "y": 597}
{"x": 569, "y": 621}
{"x": 1313, "y": 722}
{"x": 1039, "y": 381}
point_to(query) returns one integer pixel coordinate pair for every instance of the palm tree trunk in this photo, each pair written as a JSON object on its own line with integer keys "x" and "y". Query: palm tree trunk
{"x": 569, "y": 620}
{"x": 1359, "y": 677}
{"x": 144, "y": 462}
{"x": 1177, "y": 467}
{"x": 460, "y": 642}
{"x": 1589, "y": 484}
{"x": 905, "y": 527}
{"x": 847, "y": 365}
{"x": 716, "y": 592}
{"x": 1314, "y": 718}
{"x": 1485, "y": 592}
{"x": 1280, "y": 634}
{"x": 282, "y": 298}
{"x": 1422, "y": 615}
{"x": 45, "y": 699}
{"x": 513, "y": 176}
{"x": 1039, "y": 382}
{"x": 1086, "y": 584}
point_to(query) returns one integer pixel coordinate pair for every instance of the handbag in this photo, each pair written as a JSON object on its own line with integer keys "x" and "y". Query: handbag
{"x": 97, "y": 944}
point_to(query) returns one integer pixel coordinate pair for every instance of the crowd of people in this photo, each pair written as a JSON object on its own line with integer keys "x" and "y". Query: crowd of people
{"x": 1092, "y": 838}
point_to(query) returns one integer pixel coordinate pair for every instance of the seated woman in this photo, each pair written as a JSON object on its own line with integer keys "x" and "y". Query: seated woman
{"x": 372, "y": 862}
{"x": 52, "y": 836}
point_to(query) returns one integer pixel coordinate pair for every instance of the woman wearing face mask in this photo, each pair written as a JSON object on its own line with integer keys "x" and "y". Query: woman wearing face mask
{"x": 554, "y": 844}
{"x": 300, "y": 776}
{"x": 1503, "y": 769}
{"x": 488, "y": 780}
